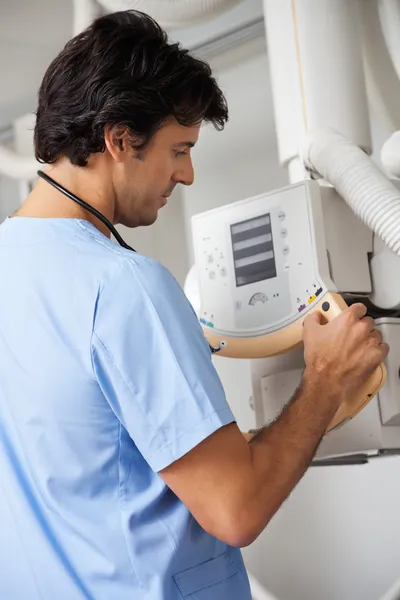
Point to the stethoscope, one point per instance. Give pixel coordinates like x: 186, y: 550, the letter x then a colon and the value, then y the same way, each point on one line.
x: 101, y: 218
x: 86, y: 206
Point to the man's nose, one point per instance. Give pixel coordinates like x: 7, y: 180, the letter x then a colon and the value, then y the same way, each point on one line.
x: 185, y: 176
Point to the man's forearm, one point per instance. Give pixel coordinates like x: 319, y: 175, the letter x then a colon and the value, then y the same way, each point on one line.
x: 233, y: 488
x: 281, y: 452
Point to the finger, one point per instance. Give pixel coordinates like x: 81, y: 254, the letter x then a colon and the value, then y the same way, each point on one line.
x: 312, y: 320
x: 377, y: 336
x: 369, y: 323
x: 310, y: 323
x: 384, y: 348
x: 358, y: 310
x: 382, y: 351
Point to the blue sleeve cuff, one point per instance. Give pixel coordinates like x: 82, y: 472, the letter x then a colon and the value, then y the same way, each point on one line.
x: 171, y: 452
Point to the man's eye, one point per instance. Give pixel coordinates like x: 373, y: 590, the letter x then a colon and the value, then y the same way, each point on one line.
x: 180, y: 152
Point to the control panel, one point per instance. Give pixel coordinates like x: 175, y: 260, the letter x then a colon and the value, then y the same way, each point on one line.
x: 262, y: 262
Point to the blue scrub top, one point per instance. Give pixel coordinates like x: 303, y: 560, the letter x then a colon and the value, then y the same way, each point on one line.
x: 105, y: 379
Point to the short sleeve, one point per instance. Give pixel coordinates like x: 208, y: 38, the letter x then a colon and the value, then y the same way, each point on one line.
x: 153, y: 364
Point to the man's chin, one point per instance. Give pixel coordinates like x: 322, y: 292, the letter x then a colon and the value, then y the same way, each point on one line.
x: 140, y: 221
x: 149, y: 220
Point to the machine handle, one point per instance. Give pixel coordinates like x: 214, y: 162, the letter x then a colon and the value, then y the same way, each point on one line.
x: 332, y: 307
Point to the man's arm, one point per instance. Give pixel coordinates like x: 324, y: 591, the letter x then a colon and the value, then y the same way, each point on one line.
x: 233, y: 488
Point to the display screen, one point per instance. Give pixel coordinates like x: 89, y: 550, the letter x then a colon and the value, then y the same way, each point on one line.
x: 253, y: 250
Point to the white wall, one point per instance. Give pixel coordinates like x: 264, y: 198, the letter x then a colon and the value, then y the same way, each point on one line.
x: 338, y: 536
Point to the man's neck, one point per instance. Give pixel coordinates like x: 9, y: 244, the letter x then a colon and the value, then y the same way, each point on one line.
x: 45, y: 201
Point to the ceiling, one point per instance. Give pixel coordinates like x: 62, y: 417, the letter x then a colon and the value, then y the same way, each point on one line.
x: 32, y: 32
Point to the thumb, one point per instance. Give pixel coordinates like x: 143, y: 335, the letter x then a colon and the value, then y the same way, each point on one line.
x: 313, y: 320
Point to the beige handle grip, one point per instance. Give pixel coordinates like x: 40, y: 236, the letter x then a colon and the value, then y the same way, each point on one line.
x: 332, y: 306
x: 272, y: 344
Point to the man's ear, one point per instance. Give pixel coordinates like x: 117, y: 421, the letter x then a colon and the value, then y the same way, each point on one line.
x: 117, y: 139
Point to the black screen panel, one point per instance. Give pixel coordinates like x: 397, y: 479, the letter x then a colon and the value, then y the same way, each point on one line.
x: 253, y: 250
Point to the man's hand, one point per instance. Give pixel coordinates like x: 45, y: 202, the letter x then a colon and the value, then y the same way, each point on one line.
x: 233, y: 488
x: 344, y: 352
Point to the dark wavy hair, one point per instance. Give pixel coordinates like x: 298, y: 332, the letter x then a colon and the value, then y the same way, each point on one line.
x: 122, y: 70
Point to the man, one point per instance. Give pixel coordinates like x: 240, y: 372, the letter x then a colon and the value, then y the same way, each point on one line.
x: 123, y: 472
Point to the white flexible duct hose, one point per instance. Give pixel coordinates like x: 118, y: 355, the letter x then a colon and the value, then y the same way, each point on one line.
x: 368, y: 192
x: 173, y: 13
x: 16, y: 165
